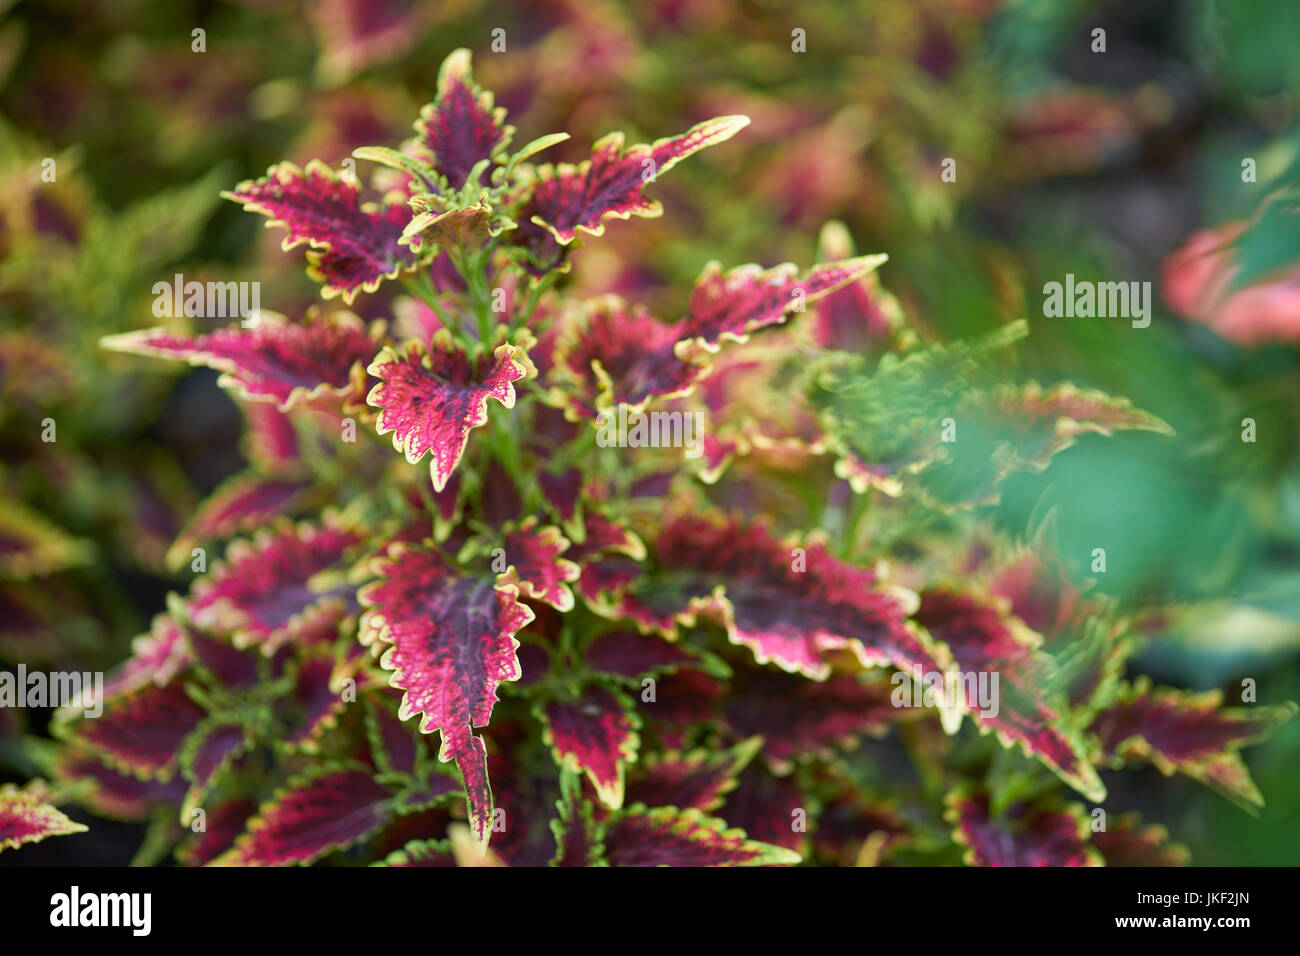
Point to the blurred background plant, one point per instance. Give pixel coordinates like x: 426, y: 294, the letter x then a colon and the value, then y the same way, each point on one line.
x: 1172, y: 156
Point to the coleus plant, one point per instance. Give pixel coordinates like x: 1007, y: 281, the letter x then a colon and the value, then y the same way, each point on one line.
x: 625, y: 655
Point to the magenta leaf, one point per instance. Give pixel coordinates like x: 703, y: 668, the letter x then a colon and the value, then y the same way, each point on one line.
x: 208, y: 752
x: 141, y: 733
x: 730, y: 305
x: 616, y: 354
x: 667, y: 836
x: 1126, y: 842
x: 274, y: 360
x: 579, y: 836
x: 595, y: 734
x: 120, y: 796
x: 354, y: 244
x: 242, y: 503
x: 224, y: 823
x: 798, y: 718
x: 430, y: 400
x: 789, y: 604
x: 327, y: 808
x: 1021, y: 836
x: 985, y: 643
x: 461, y: 127
x: 1191, y: 734
x: 698, y: 779
x: 631, y: 654
x: 265, y: 593
x: 452, y: 640
x: 769, y: 808
x: 26, y: 818
x: 568, y: 198
x: 536, y: 567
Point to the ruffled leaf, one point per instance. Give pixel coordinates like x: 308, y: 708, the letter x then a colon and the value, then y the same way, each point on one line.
x: 597, y: 735
x: 243, y: 503
x: 1023, y: 709
x: 1021, y: 836
x: 430, y: 400
x: 263, y: 592
x: 461, y: 127
x: 798, y: 718
x: 325, y: 809
x: 566, y: 198
x: 698, y: 779
x: 453, y: 642
x: 727, y: 306
x: 25, y: 818
x: 354, y: 245
x: 667, y: 836
x: 274, y: 360
x: 141, y: 733
x: 1191, y: 734
x: 615, y: 354
x: 1126, y: 842
x: 536, y: 567
x: 789, y: 604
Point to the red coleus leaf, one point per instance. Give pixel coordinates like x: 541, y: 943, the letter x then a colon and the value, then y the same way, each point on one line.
x: 242, y: 503
x: 141, y: 733
x: 667, y: 836
x: 536, y: 568
x: 566, y: 199
x: 1021, y: 836
x: 729, y: 305
x: 26, y: 818
x: 354, y: 244
x: 1022, y: 707
x: 453, y: 642
x: 312, y: 706
x: 679, y: 701
x: 327, y: 808
x: 860, y: 317
x: 579, y: 836
x: 271, y: 441
x: 274, y: 360
x: 800, y: 718
x: 461, y: 127
x: 1186, y: 733
x: 119, y: 796
x: 209, y: 752
x: 1044, y: 422
x: 392, y: 744
x: 263, y: 593
x: 430, y: 400
x: 595, y: 734
x: 1126, y: 842
x: 789, y: 604
x: 698, y: 779
x: 222, y: 826
x: 615, y: 354
x: 156, y: 657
